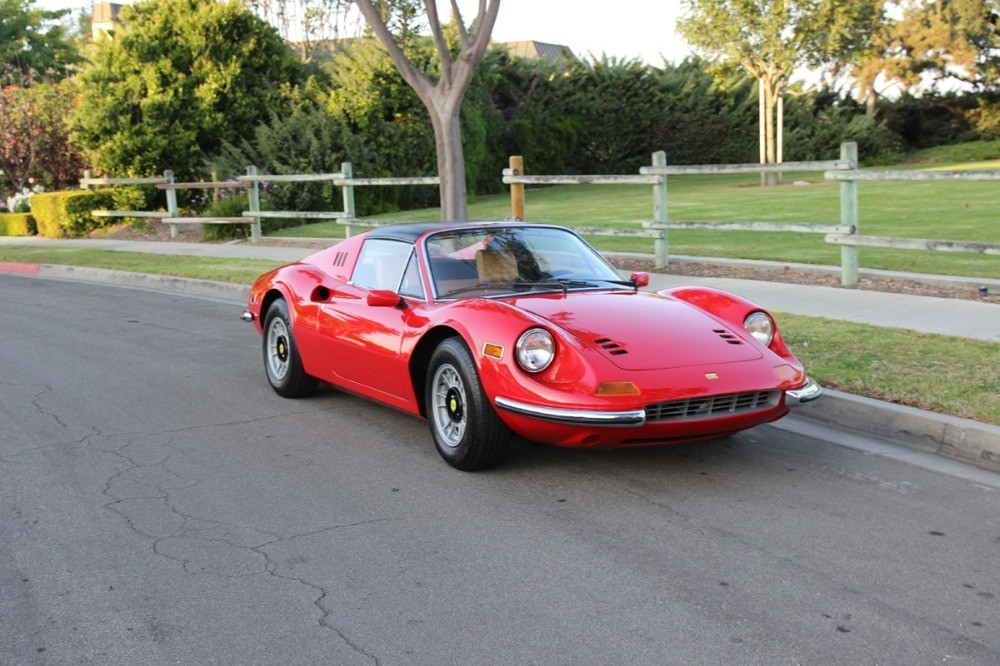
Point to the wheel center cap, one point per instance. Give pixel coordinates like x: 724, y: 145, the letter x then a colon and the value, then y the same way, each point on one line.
x: 282, y: 350
x: 454, y: 402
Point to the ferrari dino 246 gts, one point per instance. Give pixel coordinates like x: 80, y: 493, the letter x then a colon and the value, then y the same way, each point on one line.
x: 492, y: 329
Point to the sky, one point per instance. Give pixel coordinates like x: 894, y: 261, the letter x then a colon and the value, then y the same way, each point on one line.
x: 641, y: 29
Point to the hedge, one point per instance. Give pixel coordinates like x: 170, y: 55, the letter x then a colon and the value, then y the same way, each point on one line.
x: 16, y: 224
x: 68, y: 213
x: 49, y: 211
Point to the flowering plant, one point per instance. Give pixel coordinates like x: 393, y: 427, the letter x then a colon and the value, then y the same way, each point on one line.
x: 20, y: 202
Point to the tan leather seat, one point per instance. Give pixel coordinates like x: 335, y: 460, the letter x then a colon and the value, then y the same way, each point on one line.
x: 496, y: 266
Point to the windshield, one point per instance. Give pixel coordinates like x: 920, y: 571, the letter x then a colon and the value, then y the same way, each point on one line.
x: 498, y: 261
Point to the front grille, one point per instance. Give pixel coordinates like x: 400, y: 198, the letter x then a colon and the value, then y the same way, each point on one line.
x: 713, y: 406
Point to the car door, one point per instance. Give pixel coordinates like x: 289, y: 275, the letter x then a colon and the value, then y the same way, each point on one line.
x: 364, y: 339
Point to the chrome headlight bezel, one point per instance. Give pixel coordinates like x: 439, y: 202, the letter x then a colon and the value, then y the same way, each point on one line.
x: 535, y: 350
x: 760, y: 326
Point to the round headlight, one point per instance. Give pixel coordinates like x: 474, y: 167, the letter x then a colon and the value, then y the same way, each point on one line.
x: 535, y: 349
x: 760, y: 326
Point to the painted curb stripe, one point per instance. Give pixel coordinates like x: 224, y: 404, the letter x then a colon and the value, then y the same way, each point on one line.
x: 19, y: 267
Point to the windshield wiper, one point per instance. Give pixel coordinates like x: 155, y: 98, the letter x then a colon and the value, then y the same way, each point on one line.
x: 504, y: 286
x: 589, y: 282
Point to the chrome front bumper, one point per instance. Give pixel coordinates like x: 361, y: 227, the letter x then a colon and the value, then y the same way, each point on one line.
x: 807, y: 393
x: 247, y: 316
x: 633, y: 417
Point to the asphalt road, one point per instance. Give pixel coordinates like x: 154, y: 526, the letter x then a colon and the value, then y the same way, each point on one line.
x: 160, y: 504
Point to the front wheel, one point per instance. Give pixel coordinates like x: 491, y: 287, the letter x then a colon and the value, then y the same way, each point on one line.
x: 466, y: 430
x: 282, y: 362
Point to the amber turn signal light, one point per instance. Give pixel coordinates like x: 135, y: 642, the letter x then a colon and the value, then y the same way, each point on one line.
x: 617, y: 388
x: 787, y: 373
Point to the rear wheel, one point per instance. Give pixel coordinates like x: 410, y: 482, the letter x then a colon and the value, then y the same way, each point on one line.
x: 282, y: 362
x: 467, y: 431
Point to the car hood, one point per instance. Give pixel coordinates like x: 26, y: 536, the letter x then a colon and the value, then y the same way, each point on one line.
x: 642, y: 331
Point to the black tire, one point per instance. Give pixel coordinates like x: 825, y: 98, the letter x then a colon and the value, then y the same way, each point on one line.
x: 282, y: 363
x: 467, y: 431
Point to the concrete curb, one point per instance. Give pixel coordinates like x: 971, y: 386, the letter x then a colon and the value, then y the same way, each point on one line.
x: 964, y: 440
x: 227, y: 291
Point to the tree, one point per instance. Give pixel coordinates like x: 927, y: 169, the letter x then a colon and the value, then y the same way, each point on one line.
x: 34, y: 139
x: 443, y: 99
x: 770, y: 39
x: 33, y: 39
x: 175, y: 80
x: 940, y: 39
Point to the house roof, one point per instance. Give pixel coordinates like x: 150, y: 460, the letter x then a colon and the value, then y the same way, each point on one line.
x: 531, y: 49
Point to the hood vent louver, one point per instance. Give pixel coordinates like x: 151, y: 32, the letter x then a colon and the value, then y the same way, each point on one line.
x: 610, y: 346
x: 727, y: 336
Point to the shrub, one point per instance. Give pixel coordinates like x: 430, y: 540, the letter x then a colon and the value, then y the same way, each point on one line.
x: 229, y: 207
x: 78, y: 220
x: 49, y: 211
x: 68, y: 213
x: 16, y: 224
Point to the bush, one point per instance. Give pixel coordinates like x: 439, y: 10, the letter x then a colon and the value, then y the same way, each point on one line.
x: 79, y: 221
x: 232, y: 206
x: 49, y: 211
x: 61, y: 214
x: 16, y: 224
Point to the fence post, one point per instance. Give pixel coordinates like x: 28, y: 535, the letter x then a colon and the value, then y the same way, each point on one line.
x: 348, y: 188
x: 253, y: 199
x: 661, y: 245
x: 87, y: 175
x: 168, y: 176
x: 849, y: 216
x: 517, y: 189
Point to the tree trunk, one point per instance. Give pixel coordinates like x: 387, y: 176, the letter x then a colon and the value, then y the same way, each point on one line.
x: 769, y: 129
x: 451, y: 164
x: 761, y: 124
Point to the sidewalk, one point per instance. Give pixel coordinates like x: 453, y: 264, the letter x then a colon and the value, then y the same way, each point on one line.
x: 925, y: 314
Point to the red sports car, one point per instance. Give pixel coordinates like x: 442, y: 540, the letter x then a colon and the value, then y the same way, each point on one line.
x: 491, y: 329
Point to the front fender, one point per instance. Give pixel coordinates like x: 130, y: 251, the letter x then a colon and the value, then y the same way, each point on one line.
x: 734, y: 310
x: 496, y: 324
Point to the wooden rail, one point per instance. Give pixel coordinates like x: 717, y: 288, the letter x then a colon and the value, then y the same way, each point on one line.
x: 915, y: 244
x: 714, y: 169
x: 914, y: 175
x: 205, y: 185
x: 797, y: 227
x: 129, y: 213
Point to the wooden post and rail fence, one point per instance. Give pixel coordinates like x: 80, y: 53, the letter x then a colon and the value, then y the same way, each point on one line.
x: 252, y: 183
x: 845, y: 233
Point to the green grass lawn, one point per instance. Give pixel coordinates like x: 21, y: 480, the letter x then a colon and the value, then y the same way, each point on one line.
x: 204, y: 268
x: 936, y: 372
x: 935, y: 210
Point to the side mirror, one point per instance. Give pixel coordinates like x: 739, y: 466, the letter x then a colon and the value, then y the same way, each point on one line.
x: 383, y: 298
x: 640, y: 279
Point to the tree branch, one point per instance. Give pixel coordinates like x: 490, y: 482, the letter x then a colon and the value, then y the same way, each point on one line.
x: 456, y: 15
x: 439, y: 41
x: 414, y: 77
